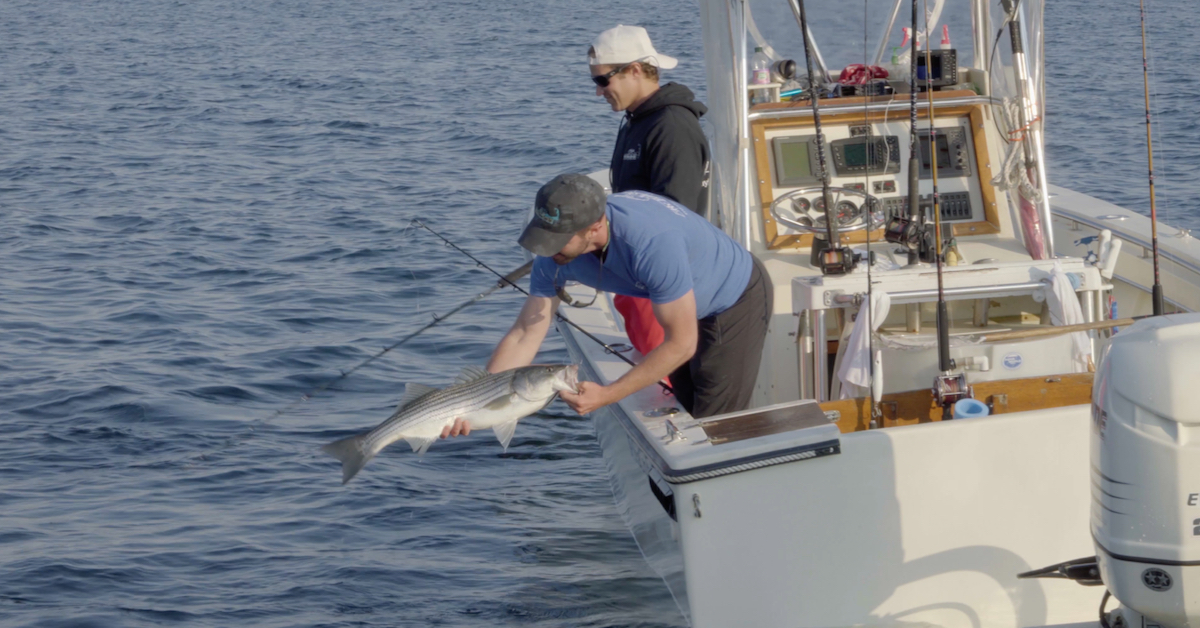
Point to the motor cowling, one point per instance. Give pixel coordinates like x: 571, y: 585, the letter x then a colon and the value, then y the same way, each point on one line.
x: 1146, y: 470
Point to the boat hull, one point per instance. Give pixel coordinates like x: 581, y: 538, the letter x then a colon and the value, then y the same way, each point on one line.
x: 926, y: 524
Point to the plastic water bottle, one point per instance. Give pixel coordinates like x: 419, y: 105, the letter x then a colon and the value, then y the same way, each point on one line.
x: 760, y: 66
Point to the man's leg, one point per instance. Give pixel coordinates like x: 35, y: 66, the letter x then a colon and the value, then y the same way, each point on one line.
x: 681, y: 383
x: 729, y: 350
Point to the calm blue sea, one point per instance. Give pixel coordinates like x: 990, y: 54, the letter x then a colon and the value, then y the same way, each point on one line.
x: 204, y: 214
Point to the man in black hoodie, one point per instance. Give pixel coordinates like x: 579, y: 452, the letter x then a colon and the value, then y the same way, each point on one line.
x: 660, y: 147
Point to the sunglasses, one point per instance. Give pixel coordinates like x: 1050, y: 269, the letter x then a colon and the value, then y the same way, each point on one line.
x: 601, y: 80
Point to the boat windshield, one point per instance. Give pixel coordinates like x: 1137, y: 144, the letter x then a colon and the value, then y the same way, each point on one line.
x: 848, y: 33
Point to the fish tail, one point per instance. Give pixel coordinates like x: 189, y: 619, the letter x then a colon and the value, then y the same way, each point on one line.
x: 353, y: 454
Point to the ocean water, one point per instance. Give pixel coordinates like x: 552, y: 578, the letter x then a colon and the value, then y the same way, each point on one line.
x: 205, y: 213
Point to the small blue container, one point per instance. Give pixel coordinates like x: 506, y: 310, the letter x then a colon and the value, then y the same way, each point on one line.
x: 970, y: 409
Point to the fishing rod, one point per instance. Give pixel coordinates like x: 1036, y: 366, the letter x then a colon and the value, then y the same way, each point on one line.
x: 943, y: 318
x: 505, y: 280
x: 831, y: 258
x: 909, y: 231
x: 874, y: 371
x: 607, y: 347
x: 947, y: 388
x: 914, y: 167
x: 1156, y: 290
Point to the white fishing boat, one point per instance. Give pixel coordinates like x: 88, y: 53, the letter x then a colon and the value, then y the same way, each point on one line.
x: 839, y: 501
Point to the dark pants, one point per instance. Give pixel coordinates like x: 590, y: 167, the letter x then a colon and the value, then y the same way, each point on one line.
x: 720, y: 377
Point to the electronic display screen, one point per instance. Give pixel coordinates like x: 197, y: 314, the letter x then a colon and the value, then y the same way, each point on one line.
x: 944, y: 160
x: 856, y: 155
x: 953, y: 154
x: 934, y: 70
x: 795, y: 161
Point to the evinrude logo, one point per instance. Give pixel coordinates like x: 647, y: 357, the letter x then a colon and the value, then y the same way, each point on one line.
x: 634, y: 153
x: 547, y: 215
x: 1156, y: 579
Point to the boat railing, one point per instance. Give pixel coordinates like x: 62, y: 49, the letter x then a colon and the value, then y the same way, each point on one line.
x: 766, y: 112
x: 1100, y: 223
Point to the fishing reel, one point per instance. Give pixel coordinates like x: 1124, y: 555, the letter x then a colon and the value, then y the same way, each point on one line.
x: 916, y: 235
x: 903, y: 230
x: 833, y: 260
x: 948, y: 389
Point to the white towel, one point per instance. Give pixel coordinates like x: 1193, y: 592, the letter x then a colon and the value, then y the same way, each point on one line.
x: 856, y: 361
x: 1065, y: 310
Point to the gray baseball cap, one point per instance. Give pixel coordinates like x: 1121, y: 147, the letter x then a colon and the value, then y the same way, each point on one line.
x: 565, y: 206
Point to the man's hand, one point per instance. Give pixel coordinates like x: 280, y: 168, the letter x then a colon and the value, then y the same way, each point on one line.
x: 460, y: 427
x: 591, y: 396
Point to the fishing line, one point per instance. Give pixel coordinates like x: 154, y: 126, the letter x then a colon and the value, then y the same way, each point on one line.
x: 607, y: 347
x: 508, y: 280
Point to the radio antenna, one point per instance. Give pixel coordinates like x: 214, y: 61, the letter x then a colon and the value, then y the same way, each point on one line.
x: 1156, y: 291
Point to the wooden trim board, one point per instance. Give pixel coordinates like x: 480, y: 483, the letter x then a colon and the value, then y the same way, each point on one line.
x: 1006, y: 395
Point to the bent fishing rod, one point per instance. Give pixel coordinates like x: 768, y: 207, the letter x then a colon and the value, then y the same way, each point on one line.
x: 507, y: 280
x: 503, y: 279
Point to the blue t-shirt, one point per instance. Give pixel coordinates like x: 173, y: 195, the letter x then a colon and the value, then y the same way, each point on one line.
x: 657, y: 249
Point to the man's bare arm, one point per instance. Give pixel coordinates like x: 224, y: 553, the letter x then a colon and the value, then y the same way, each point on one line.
x: 518, y: 347
x: 521, y: 343
x: 678, y: 319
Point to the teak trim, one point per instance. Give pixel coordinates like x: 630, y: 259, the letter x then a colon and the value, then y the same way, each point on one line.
x: 1006, y: 395
x: 759, y: 128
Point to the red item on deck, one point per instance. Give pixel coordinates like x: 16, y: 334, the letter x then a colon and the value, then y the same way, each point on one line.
x: 859, y: 74
x: 640, y: 324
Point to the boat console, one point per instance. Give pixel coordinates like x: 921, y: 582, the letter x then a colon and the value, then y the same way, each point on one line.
x: 867, y: 144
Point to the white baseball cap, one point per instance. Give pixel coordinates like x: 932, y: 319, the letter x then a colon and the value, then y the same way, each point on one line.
x: 626, y: 44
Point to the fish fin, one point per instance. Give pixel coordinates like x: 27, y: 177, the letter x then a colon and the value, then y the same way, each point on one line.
x: 413, y: 392
x: 503, y: 401
x: 352, y: 454
x: 471, y: 373
x: 420, y: 443
x: 504, y: 433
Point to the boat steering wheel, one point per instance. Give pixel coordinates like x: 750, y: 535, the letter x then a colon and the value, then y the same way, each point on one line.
x: 807, y: 209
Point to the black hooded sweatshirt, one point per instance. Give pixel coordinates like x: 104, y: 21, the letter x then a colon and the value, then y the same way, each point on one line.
x: 661, y: 149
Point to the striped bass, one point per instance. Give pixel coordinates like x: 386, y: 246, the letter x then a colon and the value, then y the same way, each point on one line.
x: 495, y: 400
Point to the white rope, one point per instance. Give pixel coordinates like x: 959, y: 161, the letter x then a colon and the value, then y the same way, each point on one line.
x: 1013, y: 172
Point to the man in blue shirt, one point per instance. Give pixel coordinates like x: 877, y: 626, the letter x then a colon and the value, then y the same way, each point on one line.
x: 712, y: 297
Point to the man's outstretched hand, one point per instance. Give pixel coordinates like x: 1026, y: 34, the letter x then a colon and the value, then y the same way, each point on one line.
x: 591, y: 396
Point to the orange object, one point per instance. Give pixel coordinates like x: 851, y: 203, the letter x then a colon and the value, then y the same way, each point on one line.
x: 640, y: 324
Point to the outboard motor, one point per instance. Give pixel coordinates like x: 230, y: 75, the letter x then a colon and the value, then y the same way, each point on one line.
x: 1146, y: 472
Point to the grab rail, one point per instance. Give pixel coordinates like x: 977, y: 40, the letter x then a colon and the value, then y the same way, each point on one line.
x: 1084, y: 219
